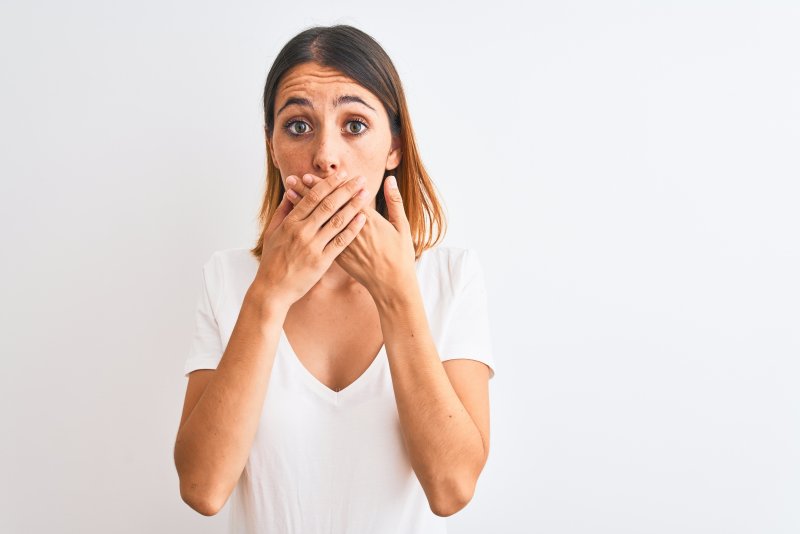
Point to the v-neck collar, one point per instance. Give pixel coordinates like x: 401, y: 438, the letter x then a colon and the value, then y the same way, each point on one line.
x: 324, y: 391
x: 360, y: 383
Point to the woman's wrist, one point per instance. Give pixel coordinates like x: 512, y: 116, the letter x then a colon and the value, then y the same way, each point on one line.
x: 266, y: 303
x: 402, y: 294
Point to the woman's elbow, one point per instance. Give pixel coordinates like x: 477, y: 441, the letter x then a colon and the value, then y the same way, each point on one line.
x: 446, y: 509
x: 452, y: 499
x: 201, y: 503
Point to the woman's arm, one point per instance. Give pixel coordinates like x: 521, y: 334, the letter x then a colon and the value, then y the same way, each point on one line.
x: 213, y: 443
x: 446, y: 447
x: 447, y: 439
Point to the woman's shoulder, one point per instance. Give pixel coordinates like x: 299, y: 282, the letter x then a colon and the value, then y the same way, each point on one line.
x: 230, y: 265
x: 448, y: 256
x: 440, y: 253
x: 445, y: 264
x: 236, y: 256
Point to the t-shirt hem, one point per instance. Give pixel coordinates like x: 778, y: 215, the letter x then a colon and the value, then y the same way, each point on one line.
x: 201, y: 362
x: 489, y: 363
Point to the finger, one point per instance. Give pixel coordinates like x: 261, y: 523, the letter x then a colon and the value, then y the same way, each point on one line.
x: 341, y: 240
x: 394, y: 203
x: 300, y: 188
x: 310, y: 179
x: 356, y: 207
x: 312, y: 197
x: 330, y: 205
x: 293, y: 189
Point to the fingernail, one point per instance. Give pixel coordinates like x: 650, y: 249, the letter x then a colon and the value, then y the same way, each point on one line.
x: 307, y: 179
x: 392, y: 182
x: 291, y: 180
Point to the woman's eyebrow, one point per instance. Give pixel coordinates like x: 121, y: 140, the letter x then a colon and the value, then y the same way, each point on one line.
x: 344, y: 99
x: 297, y: 101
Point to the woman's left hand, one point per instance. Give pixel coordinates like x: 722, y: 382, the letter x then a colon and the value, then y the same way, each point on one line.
x: 382, y: 256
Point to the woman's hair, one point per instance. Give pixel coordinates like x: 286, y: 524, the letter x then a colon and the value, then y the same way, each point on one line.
x: 358, y: 56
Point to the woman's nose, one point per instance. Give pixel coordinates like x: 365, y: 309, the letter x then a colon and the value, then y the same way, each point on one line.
x: 327, y: 152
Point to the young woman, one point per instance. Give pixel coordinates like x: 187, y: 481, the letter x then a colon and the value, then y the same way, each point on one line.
x: 338, y: 376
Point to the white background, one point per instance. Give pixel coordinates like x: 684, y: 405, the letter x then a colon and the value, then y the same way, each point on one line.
x: 627, y: 171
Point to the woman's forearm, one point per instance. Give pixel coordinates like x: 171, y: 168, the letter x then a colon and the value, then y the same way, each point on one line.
x: 444, y: 444
x: 212, y: 446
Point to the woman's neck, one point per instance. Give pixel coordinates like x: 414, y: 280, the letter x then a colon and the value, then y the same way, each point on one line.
x: 335, y: 279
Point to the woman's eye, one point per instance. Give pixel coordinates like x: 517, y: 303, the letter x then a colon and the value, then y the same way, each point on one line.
x: 356, y: 127
x: 303, y: 127
x: 298, y: 127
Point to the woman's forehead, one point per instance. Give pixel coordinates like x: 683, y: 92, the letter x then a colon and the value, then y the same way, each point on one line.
x: 310, y: 78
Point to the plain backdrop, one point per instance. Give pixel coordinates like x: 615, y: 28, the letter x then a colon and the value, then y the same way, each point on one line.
x: 628, y: 172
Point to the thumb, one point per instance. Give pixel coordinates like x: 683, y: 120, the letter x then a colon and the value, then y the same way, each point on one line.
x: 394, y: 202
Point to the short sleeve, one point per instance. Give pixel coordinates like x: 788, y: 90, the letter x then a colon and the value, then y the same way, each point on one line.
x: 206, y: 345
x: 467, y: 332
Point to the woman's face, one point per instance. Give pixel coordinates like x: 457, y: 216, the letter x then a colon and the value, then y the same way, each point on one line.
x: 326, y: 123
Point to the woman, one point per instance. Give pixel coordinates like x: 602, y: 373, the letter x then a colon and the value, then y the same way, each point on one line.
x: 338, y: 377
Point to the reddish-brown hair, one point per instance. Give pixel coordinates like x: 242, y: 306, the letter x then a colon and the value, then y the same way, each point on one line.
x: 359, y: 57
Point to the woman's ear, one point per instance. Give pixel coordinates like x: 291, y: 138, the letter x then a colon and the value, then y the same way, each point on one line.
x: 395, y: 154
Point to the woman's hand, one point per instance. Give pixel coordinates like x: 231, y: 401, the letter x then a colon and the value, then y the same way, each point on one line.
x: 306, y: 235
x: 381, y: 257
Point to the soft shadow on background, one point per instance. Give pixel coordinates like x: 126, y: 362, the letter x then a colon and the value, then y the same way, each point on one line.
x: 627, y: 171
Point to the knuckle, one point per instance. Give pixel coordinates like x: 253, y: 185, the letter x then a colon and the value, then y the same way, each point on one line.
x: 309, y: 232
x: 340, y: 240
x: 298, y: 233
x: 327, y: 205
x: 313, y: 196
x: 337, y: 221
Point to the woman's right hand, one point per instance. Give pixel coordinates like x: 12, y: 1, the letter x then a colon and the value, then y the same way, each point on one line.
x: 303, y: 240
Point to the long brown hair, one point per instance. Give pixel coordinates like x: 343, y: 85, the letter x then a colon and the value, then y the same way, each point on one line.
x: 359, y: 57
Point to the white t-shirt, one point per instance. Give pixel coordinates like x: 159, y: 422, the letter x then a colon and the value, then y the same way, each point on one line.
x: 324, y: 461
